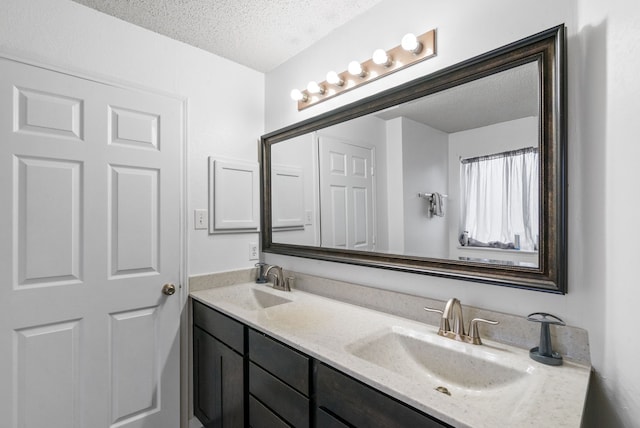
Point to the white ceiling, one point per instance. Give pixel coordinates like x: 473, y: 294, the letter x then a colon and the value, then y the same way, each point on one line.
x: 509, y: 95
x: 260, y: 34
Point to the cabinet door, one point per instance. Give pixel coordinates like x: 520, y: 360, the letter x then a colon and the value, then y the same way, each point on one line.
x: 218, y: 379
x: 363, y: 406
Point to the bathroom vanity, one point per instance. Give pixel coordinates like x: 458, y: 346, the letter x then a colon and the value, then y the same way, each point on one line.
x: 281, y: 381
x: 269, y: 358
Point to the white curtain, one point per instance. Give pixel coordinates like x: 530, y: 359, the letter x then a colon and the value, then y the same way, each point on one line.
x: 500, y: 197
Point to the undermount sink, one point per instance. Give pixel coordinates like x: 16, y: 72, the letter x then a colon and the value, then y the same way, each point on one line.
x: 443, y: 362
x: 255, y: 299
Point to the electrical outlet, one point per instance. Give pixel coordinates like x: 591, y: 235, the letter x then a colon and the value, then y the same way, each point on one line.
x: 308, y: 218
x: 253, y: 251
x: 201, y: 219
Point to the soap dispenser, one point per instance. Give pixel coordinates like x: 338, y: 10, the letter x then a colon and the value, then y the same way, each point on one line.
x: 543, y: 353
x: 262, y: 270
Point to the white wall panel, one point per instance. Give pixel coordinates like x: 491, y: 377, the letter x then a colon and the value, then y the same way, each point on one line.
x: 134, y: 128
x: 338, y: 200
x: 47, y: 375
x: 360, y: 199
x: 358, y: 167
x: 47, y: 114
x: 48, y: 219
x: 134, y: 376
x: 134, y: 221
x: 338, y: 163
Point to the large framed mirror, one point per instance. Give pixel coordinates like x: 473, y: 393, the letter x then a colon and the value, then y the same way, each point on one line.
x: 459, y: 174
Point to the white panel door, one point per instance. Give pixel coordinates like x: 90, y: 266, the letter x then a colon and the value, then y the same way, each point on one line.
x: 89, y: 234
x: 235, y: 201
x: 346, y: 195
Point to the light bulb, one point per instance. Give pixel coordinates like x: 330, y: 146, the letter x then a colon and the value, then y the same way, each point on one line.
x: 410, y: 43
x: 314, y: 88
x: 355, y: 68
x: 334, y: 79
x: 380, y: 57
x: 297, y: 95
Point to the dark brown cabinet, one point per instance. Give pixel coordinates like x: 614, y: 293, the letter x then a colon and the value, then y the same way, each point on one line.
x: 244, y: 378
x: 218, y: 372
x: 279, y: 380
x: 348, y: 402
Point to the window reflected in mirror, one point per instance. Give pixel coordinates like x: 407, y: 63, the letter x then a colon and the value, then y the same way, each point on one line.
x: 500, y: 201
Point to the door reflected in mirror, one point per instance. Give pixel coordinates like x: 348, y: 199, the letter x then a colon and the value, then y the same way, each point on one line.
x: 453, y: 175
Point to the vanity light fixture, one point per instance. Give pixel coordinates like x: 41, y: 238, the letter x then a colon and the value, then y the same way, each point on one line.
x: 314, y: 88
x: 356, y: 69
x: 380, y: 57
x: 334, y: 78
x: 299, y: 96
x: 411, y: 44
x: 413, y: 49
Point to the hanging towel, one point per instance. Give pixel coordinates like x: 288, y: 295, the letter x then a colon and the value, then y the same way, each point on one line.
x: 437, y: 206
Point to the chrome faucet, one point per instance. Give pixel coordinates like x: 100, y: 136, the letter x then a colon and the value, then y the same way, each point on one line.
x: 452, y: 315
x: 279, y: 282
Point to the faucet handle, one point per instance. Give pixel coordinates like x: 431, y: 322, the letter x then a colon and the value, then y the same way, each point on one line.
x: 289, y: 283
x: 474, y: 334
x: 440, y: 311
x: 444, y: 322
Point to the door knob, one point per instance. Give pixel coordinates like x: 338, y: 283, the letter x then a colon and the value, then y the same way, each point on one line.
x: 168, y: 289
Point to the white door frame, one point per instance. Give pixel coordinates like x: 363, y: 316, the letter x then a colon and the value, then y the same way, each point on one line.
x: 183, y: 289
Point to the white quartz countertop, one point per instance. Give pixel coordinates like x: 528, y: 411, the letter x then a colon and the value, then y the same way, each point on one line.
x: 336, y: 333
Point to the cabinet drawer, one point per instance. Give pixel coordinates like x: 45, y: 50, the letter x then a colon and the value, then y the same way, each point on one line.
x: 286, y: 364
x: 223, y: 328
x: 325, y: 420
x: 285, y: 401
x: 362, y: 406
x: 261, y: 417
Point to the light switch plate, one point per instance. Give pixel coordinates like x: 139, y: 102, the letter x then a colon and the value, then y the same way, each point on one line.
x: 308, y: 218
x: 201, y: 219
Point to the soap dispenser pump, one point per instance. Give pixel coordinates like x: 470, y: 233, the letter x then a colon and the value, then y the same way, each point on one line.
x: 543, y: 353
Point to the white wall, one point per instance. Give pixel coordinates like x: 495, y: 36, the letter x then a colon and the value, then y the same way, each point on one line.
x: 395, y: 186
x: 424, y: 166
x: 604, y: 64
x: 225, y: 100
x: 603, y: 199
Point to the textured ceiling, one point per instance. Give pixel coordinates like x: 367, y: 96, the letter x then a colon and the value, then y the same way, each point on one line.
x: 509, y: 95
x: 260, y: 34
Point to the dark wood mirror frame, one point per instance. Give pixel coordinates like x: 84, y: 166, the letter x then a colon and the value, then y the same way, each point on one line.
x: 548, y: 49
